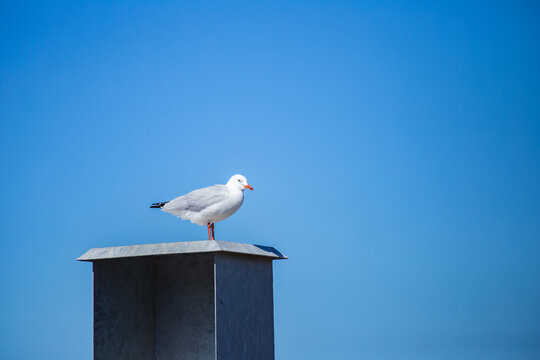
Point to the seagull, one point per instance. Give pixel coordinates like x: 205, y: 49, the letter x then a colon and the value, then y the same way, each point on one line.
x: 208, y: 205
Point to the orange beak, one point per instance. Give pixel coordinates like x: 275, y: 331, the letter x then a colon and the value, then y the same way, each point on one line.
x: 248, y: 187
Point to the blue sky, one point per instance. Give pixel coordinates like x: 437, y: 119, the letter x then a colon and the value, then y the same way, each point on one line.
x: 394, y: 150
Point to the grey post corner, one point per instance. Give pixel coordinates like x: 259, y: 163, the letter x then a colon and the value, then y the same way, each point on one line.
x: 184, y: 300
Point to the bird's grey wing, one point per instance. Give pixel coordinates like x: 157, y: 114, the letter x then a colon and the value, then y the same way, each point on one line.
x: 198, y: 200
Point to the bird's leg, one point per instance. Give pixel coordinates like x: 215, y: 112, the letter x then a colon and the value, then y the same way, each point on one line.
x: 209, y: 234
x: 212, y: 227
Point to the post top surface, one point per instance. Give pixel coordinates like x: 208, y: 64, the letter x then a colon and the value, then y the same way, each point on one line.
x: 185, y: 247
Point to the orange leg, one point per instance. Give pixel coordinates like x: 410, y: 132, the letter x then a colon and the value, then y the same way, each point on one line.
x: 209, y: 234
x: 212, y: 227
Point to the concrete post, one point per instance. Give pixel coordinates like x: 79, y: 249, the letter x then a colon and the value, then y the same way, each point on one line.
x: 186, y: 300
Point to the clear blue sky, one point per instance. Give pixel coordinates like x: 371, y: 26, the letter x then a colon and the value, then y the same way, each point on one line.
x: 394, y: 150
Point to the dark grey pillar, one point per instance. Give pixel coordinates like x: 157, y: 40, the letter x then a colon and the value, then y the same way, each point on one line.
x: 188, y: 300
x: 244, y: 307
x: 117, y: 317
x: 185, y: 311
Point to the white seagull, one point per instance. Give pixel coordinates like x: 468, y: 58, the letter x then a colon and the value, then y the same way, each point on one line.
x: 208, y: 205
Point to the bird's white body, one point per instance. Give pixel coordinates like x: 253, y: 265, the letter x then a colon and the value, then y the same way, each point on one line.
x: 211, y: 204
x: 208, y: 205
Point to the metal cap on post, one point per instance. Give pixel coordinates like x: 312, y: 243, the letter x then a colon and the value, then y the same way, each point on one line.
x: 184, y: 300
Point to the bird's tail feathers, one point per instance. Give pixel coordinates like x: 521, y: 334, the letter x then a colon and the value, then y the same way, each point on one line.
x: 158, y: 205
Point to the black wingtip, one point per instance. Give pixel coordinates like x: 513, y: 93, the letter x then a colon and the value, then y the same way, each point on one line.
x: 158, y: 205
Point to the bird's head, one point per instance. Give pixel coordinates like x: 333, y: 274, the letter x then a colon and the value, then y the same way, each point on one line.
x: 239, y: 182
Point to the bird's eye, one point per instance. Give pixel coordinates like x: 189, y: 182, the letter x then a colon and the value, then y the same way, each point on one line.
x: 239, y: 180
